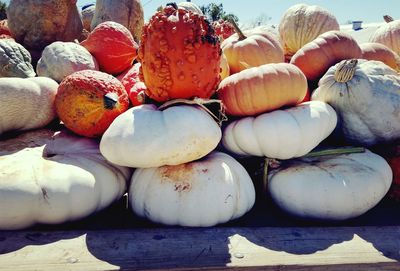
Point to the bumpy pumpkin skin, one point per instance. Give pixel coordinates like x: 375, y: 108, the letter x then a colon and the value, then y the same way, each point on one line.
x: 180, y: 56
x: 61, y: 59
x: 223, y: 29
x: 378, y: 51
x: 15, y: 60
x: 301, y: 24
x: 37, y: 23
x: 389, y: 35
x: 67, y: 179
x: 26, y: 103
x: 134, y: 87
x: 88, y: 101
x: 129, y: 13
x: 329, y: 48
x: 113, y: 47
x: 262, y: 89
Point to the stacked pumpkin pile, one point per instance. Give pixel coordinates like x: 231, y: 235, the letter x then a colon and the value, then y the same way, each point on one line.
x: 125, y: 106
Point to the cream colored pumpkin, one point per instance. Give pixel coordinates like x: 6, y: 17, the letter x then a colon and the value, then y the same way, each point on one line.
x: 331, y: 187
x: 129, y: 13
x: 15, y: 60
x: 61, y: 59
x: 281, y: 134
x: 388, y: 34
x: 26, y: 103
x: 203, y: 193
x: 301, y: 24
x: 144, y: 136
x: 51, y: 177
x: 366, y: 97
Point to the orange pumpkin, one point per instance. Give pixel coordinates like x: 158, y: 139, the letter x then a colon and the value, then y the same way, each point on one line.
x: 180, y: 55
x: 134, y: 87
x: 251, y: 48
x: 223, y: 29
x: 88, y: 101
x: 317, y: 56
x: 261, y: 89
x: 378, y: 51
x: 113, y: 47
x: 388, y: 34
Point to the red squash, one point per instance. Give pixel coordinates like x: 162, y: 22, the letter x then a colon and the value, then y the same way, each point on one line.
x: 134, y: 87
x: 180, y: 55
x: 223, y: 29
x: 113, y: 47
x: 88, y: 101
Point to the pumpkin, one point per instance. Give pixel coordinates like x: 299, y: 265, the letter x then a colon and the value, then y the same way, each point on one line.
x: 35, y: 24
x: 26, y: 103
x: 389, y: 35
x: 329, y: 48
x: 129, y: 13
x: 261, y: 89
x: 251, y: 48
x: 88, y: 101
x: 5, y: 30
x: 224, y: 67
x: 61, y: 59
x: 190, y: 6
x: 133, y: 86
x: 203, y: 193
x: 335, y: 187
x: 145, y: 137
x: 67, y: 179
x: 15, y: 60
x: 180, y: 55
x: 377, y: 51
x: 223, y: 29
x: 301, y: 24
x: 87, y: 16
x: 281, y: 134
x: 113, y: 47
x: 365, y: 94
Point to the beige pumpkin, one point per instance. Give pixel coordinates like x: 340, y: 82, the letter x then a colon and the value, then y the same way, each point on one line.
x: 380, y: 52
x: 129, y: 13
x: 15, y: 60
x: 301, y: 24
x: 389, y: 35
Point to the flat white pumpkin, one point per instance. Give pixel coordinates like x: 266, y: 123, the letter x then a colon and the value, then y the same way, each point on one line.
x: 281, y: 134
x: 332, y: 187
x: 366, y: 96
x: 51, y: 178
x: 144, y: 136
x: 61, y: 59
x: 26, y: 103
x: 203, y: 193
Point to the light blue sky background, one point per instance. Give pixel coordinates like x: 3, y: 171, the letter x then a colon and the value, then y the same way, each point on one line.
x: 248, y: 11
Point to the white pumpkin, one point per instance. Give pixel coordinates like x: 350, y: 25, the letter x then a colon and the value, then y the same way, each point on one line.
x: 144, y: 136
x: 332, y: 187
x: 190, y: 7
x: 61, y: 59
x: 26, y: 103
x: 366, y: 97
x: 51, y: 178
x: 203, y: 193
x: 281, y: 134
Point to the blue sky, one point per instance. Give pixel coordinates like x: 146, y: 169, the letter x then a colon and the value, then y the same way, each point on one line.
x: 247, y: 11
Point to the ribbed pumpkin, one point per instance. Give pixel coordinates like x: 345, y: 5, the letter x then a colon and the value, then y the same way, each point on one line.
x: 88, y: 101
x: 189, y: 6
x: 113, y: 47
x: 180, y: 55
x: 261, y: 89
x: 317, y: 56
x: 224, y: 67
x: 301, y: 24
x: 380, y: 52
x: 15, y: 60
x: 37, y: 23
x: 129, y: 13
x: 388, y: 34
x: 251, y: 48
x: 133, y: 86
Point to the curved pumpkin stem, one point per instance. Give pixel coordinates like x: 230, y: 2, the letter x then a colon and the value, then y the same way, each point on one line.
x: 237, y: 29
x: 201, y: 102
x: 345, y: 70
x: 388, y: 18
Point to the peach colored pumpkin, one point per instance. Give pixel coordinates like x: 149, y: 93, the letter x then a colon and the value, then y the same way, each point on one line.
x: 389, y: 35
x: 378, y: 51
x: 261, y: 89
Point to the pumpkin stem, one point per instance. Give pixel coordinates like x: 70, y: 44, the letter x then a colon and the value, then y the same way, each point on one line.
x: 110, y: 100
x: 237, y: 29
x: 345, y: 70
x: 141, y: 97
x: 201, y: 102
x: 337, y: 151
x: 388, y: 18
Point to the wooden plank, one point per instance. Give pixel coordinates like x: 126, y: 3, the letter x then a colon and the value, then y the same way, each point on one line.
x: 273, y: 248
